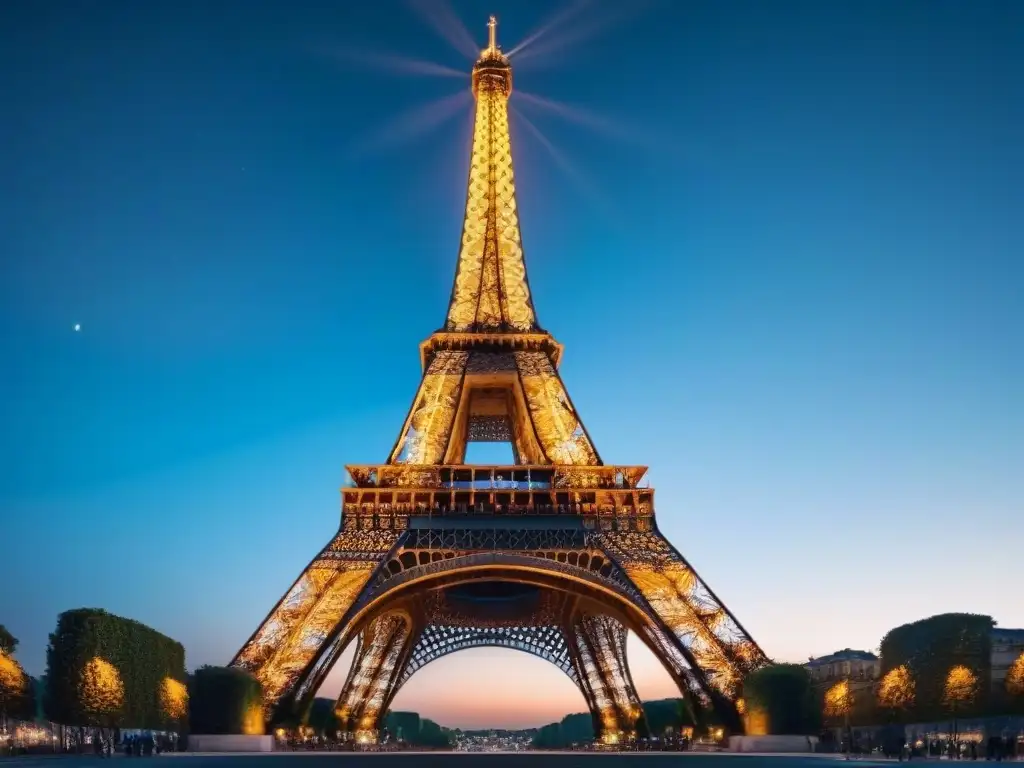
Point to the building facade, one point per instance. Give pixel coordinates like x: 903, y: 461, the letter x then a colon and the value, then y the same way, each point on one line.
x: 847, y: 664
x: 1007, y: 647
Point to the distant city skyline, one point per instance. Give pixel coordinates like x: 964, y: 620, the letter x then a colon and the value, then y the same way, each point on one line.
x: 780, y: 245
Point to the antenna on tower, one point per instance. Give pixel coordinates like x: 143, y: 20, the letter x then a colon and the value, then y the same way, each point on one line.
x: 492, y: 34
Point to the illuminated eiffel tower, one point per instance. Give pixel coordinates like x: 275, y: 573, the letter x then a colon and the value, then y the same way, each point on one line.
x: 557, y: 555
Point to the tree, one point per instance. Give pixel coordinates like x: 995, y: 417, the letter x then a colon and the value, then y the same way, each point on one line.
x: 225, y: 700
x: 323, y: 719
x: 896, y: 691
x: 404, y: 725
x: 174, y: 699
x: 838, y: 701
x: 432, y: 735
x: 665, y: 714
x: 779, y: 699
x: 577, y: 728
x: 549, y: 737
x: 961, y: 687
x: 8, y: 642
x: 959, y: 692
x: 101, y: 694
x: 1015, y: 678
x: 15, y: 690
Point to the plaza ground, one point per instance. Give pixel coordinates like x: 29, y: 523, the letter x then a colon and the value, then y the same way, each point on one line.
x: 456, y: 760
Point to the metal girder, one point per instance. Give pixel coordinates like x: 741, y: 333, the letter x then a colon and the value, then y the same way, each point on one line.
x: 437, y: 641
x: 680, y: 599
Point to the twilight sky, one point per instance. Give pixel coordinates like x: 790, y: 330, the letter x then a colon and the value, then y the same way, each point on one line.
x: 782, y: 243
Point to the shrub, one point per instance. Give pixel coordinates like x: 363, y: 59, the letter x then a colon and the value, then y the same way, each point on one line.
x: 108, y: 671
x: 224, y: 700
x: 779, y: 699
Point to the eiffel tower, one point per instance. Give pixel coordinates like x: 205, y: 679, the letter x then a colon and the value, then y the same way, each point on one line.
x: 557, y: 555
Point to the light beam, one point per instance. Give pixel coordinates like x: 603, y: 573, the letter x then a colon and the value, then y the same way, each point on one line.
x: 592, y: 26
x: 570, y: 170
x: 575, y: 114
x: 412, y: 124
x: 562, y: 16
x: 439, y: 15
x: 392, y: 63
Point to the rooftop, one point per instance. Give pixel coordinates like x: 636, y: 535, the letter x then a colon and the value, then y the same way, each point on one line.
x: 847, y: 654
x: 1008, y: 634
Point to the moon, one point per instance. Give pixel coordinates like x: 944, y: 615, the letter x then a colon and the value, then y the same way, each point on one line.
x: 78, y: 327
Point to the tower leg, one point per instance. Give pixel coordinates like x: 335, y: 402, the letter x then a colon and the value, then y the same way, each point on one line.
x: 296, y: 631
x: 686, y: 612
x: 599, y: 650
x: 383, y: 648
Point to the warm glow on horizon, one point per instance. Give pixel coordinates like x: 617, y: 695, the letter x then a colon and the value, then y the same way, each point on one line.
x: 503, y: 688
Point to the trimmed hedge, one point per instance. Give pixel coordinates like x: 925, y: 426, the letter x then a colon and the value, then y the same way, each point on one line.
x: 225, y: 700
x: 930, y: 648
x: 108, y: 671
x: 780, y: 700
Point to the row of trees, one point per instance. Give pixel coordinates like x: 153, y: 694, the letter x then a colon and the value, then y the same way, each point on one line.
x: 105, y: 671
x: 659, y: 717
x: 101, y: 671
x: 419, y: 731
x: 321, y: 719
x: 938, y: 668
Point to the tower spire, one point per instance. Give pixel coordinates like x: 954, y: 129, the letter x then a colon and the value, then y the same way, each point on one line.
x: 491, y: 293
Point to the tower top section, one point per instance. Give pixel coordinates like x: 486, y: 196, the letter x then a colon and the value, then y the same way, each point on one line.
x: 491, y: 294
x: 492, y: 71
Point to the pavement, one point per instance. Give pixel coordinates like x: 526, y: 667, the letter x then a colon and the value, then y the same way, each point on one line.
x: 462, y: 760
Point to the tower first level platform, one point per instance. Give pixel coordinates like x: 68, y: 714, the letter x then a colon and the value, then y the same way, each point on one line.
x: 396, y: 497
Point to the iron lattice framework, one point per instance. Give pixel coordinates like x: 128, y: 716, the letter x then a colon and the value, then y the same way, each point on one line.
x: 557, y: 555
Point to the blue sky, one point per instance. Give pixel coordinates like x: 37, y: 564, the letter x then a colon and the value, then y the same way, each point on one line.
x: 784, y: 258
